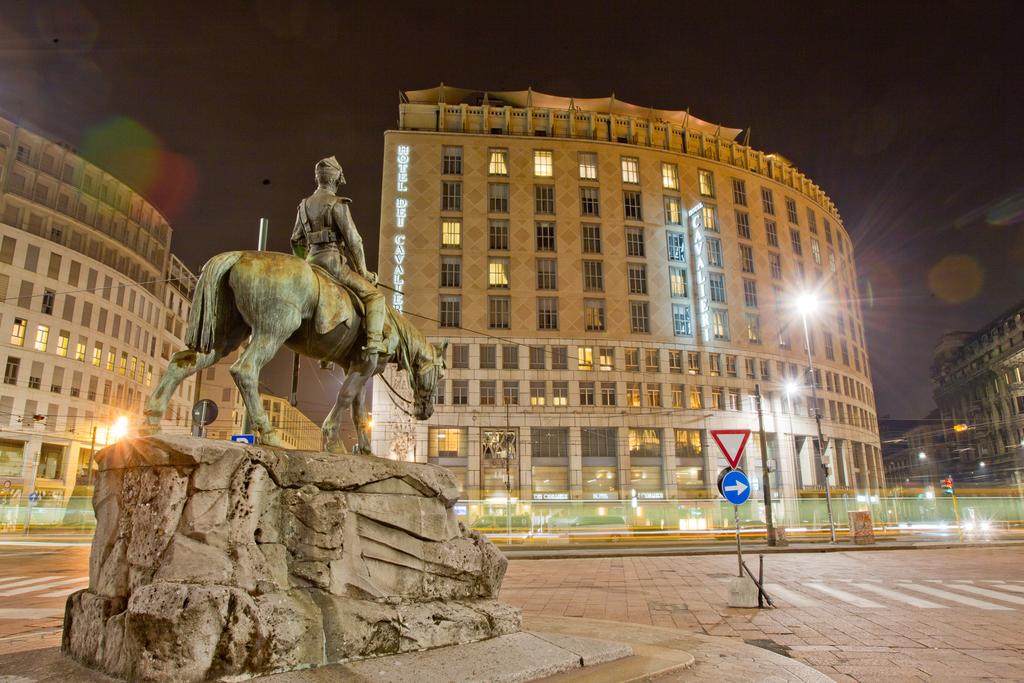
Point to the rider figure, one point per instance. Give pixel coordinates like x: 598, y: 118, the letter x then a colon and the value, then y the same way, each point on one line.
x: 323, y: 228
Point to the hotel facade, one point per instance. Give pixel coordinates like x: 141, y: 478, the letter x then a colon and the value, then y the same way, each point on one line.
x: 614, y: 282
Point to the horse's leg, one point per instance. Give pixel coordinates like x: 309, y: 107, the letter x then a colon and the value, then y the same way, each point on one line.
x: 183, y: 365
x: 361, y: 422
x: 246, y: 370
x: 356, y: 377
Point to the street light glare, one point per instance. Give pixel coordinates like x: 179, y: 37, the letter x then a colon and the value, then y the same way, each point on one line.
x: 792, y: 387
x: 807, y: 303
x: 118, y: 429
x: 922, y: 455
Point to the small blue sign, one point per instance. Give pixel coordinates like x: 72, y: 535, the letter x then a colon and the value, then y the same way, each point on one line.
x: 33, y: 497
x: 244, y: 438
x: 736, y: 487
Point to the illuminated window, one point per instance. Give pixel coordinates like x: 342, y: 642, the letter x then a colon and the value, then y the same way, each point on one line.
x: 739, y: 192
x: 696, y: 398
x: 633, y: 394
x: 645, y: 443
x: 632, y: 360
x: 677, y: 281
x: 97, y: 354
x: 669, y: 176
x: 593, y: 315
x: 607, y: 360
x: 753, y: 328
x: 111, y: 354
x: 80, y: 352
x: 122, y: 366
x: 675, y: 361
x: 653, y: 395
x: 673, y: 212
x: 585, y: 358
x: 42, y: 337
x: 559, y: 395
x: 747, y: 258
x: 497, y: 273
x: 816, y: 251
x: 677, y: 396
x: 714, y: 364
x: 63, y: 341
x: 630, y: 170
x: 447, y: 443
x: 709, y: 216
x: 588, y: 165
x: 498, y: 162
x: 149, y: 375
x: 451, y: 233
x: 538, y: 393
x: 720, y: 323
x: 706, y: 180
x: 676, y: 246
x: 543, y: 166
x: 18, y: 331
x: 693, y: 362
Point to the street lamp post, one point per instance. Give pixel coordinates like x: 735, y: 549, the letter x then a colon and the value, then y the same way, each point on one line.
x: 807, y: 304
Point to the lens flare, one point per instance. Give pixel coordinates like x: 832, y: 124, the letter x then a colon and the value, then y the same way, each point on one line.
x: 956, y: 279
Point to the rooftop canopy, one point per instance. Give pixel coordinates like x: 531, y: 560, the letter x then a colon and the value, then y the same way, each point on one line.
x: 531, y: 98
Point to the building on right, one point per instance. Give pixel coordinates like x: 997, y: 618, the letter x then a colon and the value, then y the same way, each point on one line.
x: 979, y: 389
x: 615, y: 282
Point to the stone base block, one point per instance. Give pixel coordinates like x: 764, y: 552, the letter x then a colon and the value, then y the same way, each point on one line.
x: 215, y: 560
x: 742, y: 592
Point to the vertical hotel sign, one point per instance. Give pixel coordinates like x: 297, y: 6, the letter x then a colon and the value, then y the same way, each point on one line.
x: 700, y: 267
x: 401, y: 214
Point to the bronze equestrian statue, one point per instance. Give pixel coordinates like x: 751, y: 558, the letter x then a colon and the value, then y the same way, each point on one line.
x: 274, y: 300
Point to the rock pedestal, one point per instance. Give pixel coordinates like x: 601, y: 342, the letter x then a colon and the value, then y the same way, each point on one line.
x: 215, y: 560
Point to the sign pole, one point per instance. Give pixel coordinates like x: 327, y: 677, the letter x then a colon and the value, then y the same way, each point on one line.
x: 739, y: 546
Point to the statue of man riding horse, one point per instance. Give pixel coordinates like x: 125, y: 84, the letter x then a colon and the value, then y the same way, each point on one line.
x: 326, y: 307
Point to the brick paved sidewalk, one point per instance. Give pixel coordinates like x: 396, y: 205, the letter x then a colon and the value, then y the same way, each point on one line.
x: 895, y: 615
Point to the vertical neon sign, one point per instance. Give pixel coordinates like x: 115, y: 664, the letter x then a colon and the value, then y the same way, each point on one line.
x: 696, y: 216
x: 401, y: 213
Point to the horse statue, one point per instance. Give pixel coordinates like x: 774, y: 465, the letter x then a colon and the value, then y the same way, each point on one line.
x: 276, y: 300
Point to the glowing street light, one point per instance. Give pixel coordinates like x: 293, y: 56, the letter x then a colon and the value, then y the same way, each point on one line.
x: 118, y: 430
x: 922, y: 456
x: 792, y: 387
x: 807, y: 303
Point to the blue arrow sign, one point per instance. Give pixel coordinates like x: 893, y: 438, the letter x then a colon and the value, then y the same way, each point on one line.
x: 244, y: 438
x: 736, y: 487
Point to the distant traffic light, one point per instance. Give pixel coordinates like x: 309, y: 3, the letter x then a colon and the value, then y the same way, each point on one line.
x: 947, y: 485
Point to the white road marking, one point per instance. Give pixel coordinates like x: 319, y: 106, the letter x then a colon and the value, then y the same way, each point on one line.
x: 1016, y: 600
x: 26, y: 582
x: 1010, y: 587
x: 40, y: 587
x: 855, y: 600
x: 31, y: 613
x: 909, y: 599
x: 792, y: 597
x: 64, y: 592
x: 953, y: 597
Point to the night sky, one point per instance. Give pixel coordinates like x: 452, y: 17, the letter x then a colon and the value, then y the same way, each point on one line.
x: 908, y: 114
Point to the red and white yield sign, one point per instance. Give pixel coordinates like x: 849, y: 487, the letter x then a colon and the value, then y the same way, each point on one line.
x: 732, y: 442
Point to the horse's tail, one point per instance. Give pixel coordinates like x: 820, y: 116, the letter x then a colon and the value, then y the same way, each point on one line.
x: 210, y: 303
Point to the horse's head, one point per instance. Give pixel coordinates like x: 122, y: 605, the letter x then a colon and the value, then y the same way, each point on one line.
x: 427, y: 372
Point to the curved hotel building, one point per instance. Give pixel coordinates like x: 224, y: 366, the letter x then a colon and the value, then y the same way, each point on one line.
x: 92, y: 304
x: 614, y: 282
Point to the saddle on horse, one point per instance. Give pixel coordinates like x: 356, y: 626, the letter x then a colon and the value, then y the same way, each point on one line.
x: 336, y: 304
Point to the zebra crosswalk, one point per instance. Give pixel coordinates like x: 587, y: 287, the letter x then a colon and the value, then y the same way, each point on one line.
x: 50, y: 586
x: 877, y: 594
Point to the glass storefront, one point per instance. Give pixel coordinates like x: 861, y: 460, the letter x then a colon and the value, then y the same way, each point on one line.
x: 600, y: 482
x: 12, y: 454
